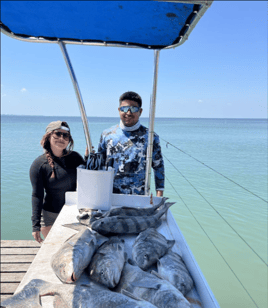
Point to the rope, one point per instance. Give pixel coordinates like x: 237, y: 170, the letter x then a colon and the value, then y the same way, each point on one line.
x: 217, y: 212
x: 215, y: 171
x: 214, y: 245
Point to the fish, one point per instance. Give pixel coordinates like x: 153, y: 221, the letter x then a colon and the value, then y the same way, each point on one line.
x: 149, y: 246
x: 129, y: 224
x: 108, y: 262
x: 172, y: 268
x: 86, y: 217
x: 28, y: 297
x: 92, y: 295
x: 69, y: 262
x: 134, y: 211
x: 150, y: 287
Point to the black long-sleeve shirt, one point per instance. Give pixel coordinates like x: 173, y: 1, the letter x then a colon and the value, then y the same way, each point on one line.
x: 49, y: 193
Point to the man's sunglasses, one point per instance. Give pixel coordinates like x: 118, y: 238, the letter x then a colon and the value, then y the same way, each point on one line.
x: 59, y: 134
x: 132, y: 109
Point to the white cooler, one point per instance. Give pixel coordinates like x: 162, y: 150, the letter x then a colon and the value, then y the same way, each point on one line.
x: 94, y: 189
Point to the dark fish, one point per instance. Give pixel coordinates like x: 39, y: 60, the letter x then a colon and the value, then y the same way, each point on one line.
x: 172, y: 268
x: 128, y: 224
x: 151, y: 288
x: 108, y: 262
x: 88, y: 216
x: 91, y: 295
x: 74, y: 256
x: 134, y: 211
x: 148, y: 247
x: 28, y: 297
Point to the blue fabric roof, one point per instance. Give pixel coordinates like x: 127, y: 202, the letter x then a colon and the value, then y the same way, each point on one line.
x: 140, y: 23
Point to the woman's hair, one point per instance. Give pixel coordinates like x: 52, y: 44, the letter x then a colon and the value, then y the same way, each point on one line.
x: 45, y: 143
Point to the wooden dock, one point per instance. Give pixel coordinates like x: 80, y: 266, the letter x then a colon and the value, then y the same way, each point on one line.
x: 16, y: 257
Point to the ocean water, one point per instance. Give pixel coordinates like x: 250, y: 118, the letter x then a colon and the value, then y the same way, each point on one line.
x: 216, y: 172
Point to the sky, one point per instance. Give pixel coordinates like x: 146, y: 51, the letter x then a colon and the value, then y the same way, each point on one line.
x: 219, y: 72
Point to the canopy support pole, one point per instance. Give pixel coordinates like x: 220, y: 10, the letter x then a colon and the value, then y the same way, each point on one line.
x: 78, y: 94
x: 151, y: 125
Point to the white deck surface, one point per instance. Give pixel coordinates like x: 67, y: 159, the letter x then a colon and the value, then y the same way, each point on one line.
x: 41, y: 268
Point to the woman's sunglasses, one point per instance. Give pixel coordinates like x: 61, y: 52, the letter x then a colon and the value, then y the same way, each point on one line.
x: 132, y: 109
x: 65, y: 136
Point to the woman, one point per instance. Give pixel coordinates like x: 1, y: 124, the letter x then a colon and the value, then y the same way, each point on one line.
x: 54, y: 173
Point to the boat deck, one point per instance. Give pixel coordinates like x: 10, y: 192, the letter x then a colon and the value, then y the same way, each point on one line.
x: 40, y: 267
x: 16, y: 258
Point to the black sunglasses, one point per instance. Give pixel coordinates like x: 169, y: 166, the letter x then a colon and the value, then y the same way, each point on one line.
x: 132, y: 109
x: 59, y: 134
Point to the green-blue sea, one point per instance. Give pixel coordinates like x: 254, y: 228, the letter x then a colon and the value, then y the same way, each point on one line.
x: 216, y: 171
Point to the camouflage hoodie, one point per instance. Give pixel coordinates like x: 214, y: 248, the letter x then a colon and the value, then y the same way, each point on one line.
x: 128, y: 149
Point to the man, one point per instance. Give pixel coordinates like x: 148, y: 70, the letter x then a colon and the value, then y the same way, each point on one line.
x: 126, y: 145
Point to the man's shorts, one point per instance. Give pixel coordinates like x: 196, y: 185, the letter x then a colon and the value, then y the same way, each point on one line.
x: 48, y: 218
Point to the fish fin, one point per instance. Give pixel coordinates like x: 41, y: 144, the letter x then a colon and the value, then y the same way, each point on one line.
x: 194, y: 301
x: 157, y: 275
x: 132, y: 262
x: 163, y: 201
x: 128, y: 208
x: 100, y: 253
x: 75, y: 226
x: 100, y: 238
x: 127, y: 293
x: 59, y: 302
x: 170, y: 243
x: 85, y: 285
x: 169, y: 204
x: 119, y: 247
x: 146, y: 284
x: 164, y: 210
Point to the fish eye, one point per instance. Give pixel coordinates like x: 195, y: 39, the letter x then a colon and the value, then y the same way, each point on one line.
x: 103, y: 277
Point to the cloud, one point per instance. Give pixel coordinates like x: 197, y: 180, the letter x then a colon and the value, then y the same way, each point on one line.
x: 23, y: 90
x: 200, y: 101
x: 3, y: 95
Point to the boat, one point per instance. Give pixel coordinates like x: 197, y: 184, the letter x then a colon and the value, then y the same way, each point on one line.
x: 158, y: 25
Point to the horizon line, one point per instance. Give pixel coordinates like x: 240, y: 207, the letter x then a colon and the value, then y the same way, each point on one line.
x: 115, y: 117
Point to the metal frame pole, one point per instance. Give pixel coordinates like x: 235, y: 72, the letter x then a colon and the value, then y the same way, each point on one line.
x: 151, y: 126
x: 78, y: 94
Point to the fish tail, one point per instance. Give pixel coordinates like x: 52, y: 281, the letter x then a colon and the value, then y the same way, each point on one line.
x: 127, y: 293
x: 164, y: 209
x: 76, y: 226
x: 163, y: 201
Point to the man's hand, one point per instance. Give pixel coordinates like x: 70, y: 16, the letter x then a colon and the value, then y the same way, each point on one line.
x: 37, y: 236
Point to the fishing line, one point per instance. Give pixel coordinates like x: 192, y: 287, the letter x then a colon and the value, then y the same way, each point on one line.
x: 215, y: 171
x: 213, y: 244
x: 217, y: 212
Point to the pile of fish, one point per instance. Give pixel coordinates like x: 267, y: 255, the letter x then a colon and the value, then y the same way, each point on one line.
x: 73, y: 296
x: 154, y: 277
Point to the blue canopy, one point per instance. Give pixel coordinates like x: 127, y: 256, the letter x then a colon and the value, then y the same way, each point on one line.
x: 146, y: 24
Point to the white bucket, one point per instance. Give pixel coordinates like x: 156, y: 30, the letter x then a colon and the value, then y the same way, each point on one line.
x: 94, y: 189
